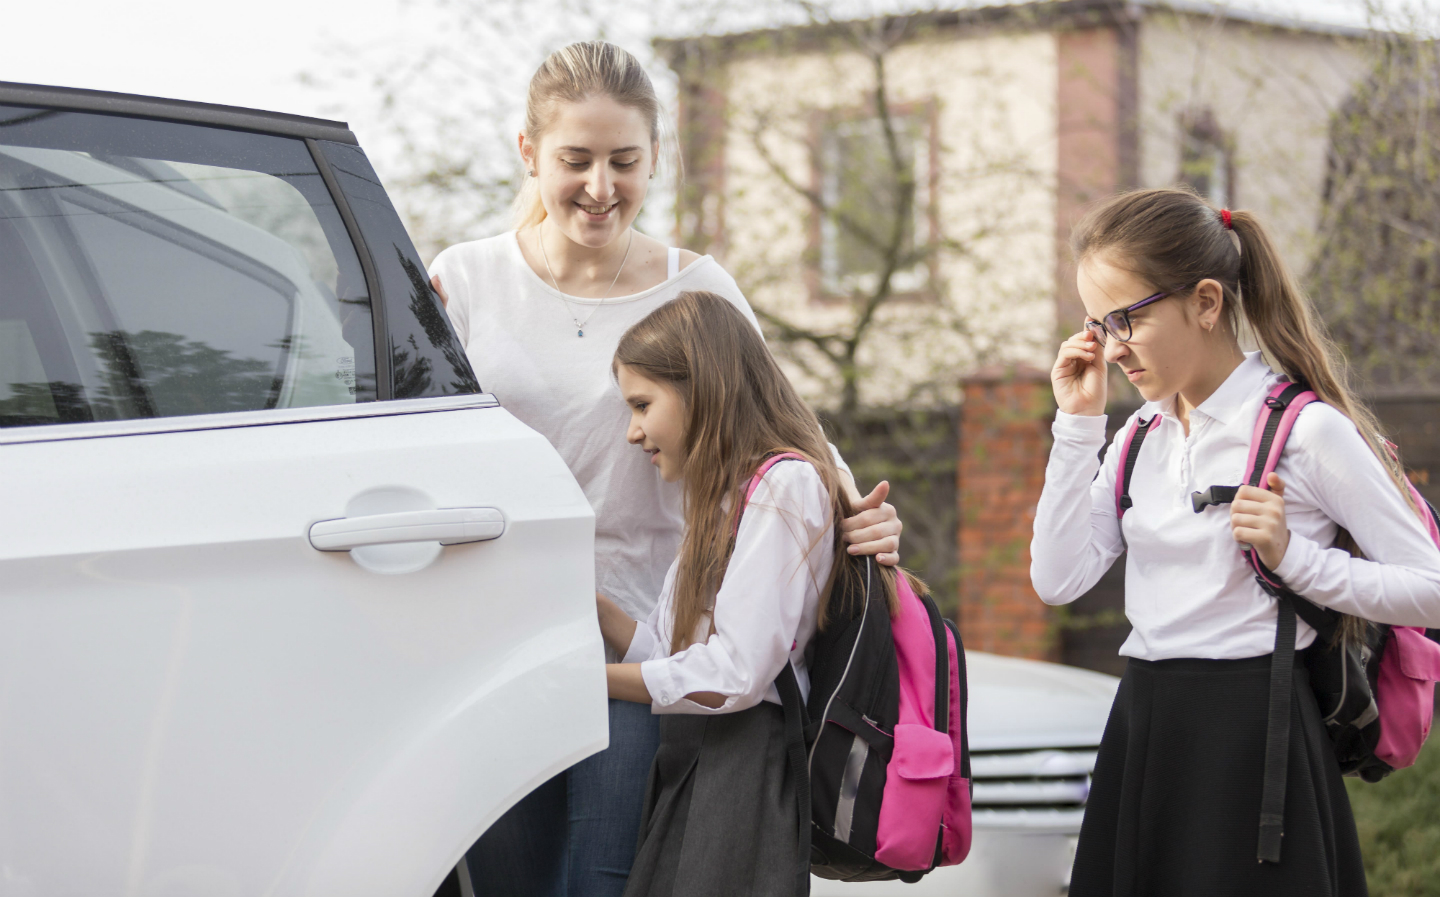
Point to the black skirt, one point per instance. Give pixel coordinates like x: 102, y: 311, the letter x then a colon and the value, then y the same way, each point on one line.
x: 1174, y: 809
x: 720, y: 812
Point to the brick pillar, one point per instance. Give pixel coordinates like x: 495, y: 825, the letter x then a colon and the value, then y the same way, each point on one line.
x: 1004, y: 443
x: 702, y: 126
x: 1097, y: 142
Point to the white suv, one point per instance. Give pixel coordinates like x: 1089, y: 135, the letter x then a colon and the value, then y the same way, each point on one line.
x: 288, y: 605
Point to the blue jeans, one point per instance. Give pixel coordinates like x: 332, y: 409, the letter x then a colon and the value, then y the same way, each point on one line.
x: 575, y: 835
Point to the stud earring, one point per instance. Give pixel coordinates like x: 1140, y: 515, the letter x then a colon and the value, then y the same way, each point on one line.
x: 530, y: 173
x: 652, y: 175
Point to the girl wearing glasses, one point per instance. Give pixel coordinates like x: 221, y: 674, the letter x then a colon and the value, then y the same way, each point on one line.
x: 1168, y: 282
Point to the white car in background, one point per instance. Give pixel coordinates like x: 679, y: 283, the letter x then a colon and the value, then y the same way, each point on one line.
x: 1034, y: 731
x: 288, y: 605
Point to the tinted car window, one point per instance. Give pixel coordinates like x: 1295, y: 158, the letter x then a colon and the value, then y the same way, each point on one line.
x: 425, y: 356
x: 155, y: 269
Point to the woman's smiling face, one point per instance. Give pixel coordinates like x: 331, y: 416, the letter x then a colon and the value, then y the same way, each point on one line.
x: 593, y: 163
x: 657, y: 420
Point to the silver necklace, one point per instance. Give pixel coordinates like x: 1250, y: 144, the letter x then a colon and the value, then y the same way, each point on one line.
x: 579, y: 324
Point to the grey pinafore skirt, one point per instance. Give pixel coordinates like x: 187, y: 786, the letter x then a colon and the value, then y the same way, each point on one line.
x: 719, y: 809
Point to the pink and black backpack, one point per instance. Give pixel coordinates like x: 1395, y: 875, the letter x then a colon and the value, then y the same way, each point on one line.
x: 879, y: 752
x: 1376, y: 696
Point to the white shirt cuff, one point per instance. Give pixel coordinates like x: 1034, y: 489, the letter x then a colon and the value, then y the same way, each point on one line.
x: 642, y: 645
x: 668, y: 696
x: 1300, y: 555
x: 1079, y: 426
x: 660, y: 682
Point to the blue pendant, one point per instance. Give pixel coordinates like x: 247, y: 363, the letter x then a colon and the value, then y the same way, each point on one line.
x: 579, y: 333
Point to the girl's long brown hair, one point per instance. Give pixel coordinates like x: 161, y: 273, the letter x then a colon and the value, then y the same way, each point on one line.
x: 739, y: 409
x: 1174, y: 239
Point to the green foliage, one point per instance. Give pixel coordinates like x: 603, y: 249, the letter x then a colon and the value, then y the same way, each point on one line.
x: 1377, y: 274
x: 1399, y: 823
x: 916, y: 452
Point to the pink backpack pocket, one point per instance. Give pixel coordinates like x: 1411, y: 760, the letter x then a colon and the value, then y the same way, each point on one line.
x: 926, y: 794
x: 914, y: 796
x: 1405, y: 686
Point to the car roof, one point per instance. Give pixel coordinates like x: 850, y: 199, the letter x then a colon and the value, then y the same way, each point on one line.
x: 236, y: 117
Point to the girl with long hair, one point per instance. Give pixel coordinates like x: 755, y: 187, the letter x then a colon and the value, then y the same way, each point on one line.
x: 540, y: 310
x: 708, y: 405
x: 1170, y: 286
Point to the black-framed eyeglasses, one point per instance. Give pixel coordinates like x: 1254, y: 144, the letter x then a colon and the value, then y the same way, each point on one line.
x: 1117, y: 322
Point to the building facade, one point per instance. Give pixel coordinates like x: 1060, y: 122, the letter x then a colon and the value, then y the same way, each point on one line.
x: 915, y: 179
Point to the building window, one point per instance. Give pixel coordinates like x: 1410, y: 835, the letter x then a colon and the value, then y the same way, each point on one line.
x: 1206, y: 160
x: 861, y: 181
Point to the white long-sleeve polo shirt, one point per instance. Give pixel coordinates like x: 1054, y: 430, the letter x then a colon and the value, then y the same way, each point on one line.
x: 765, y: 610
x: 1188, y: 590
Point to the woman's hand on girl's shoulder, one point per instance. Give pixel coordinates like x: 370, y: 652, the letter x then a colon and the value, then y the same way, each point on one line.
x: 1078, y: 376
x: 1257, y: 519
x: 875, y: 528
x: 440, y: 291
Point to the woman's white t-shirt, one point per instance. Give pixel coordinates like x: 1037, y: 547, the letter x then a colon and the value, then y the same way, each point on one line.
x: 520, y: 335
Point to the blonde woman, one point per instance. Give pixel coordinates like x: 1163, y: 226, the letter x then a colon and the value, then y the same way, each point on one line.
x: 541, y: 310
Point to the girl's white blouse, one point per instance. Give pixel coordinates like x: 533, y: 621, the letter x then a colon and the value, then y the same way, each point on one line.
x: 765, y: 609
x: 1188, y: 590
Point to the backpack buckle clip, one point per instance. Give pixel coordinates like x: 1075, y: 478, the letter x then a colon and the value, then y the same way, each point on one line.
x: 1215, y: 495
x: 1267, y: 586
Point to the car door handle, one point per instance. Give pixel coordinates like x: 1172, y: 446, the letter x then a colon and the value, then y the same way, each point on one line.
x: 448, y: 526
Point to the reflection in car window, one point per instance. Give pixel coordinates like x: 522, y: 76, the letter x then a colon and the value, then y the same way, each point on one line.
x: 155, y: 269
x: 426, y: 357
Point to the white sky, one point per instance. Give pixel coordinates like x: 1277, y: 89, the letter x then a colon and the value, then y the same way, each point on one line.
x: 254, y: 54
x: 249, y: 54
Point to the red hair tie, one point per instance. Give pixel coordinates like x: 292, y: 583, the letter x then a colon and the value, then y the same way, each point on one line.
x: 1225, y: 219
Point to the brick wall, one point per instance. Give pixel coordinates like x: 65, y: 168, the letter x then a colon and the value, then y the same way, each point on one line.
x: 1004, y: 442
x: 701, y: 128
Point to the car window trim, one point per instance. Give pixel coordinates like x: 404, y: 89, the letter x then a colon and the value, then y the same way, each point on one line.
x: 236, y: 118
x: 384, y: 385
x: 233, y: 419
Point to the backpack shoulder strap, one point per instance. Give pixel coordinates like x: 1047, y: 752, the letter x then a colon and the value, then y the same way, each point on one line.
x: 795, y: 721
x: 1272, y: 429
x: 1277, y: 735
x: 1129, y: 453
x: 760, y: 472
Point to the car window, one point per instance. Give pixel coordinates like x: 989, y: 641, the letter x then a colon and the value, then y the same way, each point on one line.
x: 425, y: 356
x: 155, y: 269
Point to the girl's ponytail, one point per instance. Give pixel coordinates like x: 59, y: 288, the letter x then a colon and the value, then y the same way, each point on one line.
x: 1284, y: 322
